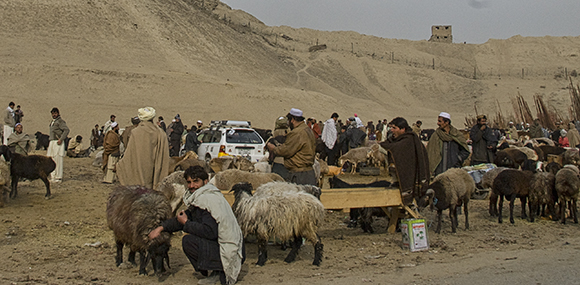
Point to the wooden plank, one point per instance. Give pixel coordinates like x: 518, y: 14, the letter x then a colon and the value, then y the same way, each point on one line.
x: 360, y: 198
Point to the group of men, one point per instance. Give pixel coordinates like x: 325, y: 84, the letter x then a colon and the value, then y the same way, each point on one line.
x: 13, y: 136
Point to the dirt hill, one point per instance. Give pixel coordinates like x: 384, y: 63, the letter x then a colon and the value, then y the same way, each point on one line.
x: 205, y: 61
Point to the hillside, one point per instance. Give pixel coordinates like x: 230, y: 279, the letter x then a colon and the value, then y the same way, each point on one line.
x: 205, y: 61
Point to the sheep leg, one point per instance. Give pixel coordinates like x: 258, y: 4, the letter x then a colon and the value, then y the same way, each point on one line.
x: 14, y: 184
x: 512, y: 202
x: 143, y: 260
x: 493, y: 205
x: 500, y: 209
x: 44, y: 179
x: 523, y: 200
x: 132, y: 257
x: 262, y: 252
x: 574, y: 211
x: 439, y: 214
x: 466, y: 215
x: 119, y: 257
x: 318, y: 251
x: 295, y: 247
x: 453, y: 218
x: 534, y: 210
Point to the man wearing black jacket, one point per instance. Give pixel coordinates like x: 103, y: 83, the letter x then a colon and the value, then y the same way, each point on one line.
x: 214, y: 240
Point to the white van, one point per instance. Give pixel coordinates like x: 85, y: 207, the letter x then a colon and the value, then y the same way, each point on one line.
x: 223, y: 138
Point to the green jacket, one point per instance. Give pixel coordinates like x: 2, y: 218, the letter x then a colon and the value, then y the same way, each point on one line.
x: 299, y: 149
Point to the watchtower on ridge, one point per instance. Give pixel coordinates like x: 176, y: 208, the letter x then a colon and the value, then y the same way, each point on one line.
x: 441, y: 33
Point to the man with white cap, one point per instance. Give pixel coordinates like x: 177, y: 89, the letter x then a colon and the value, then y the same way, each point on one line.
x: 447, y: 146
x: 56, y: 150
x: 483, y: 142
x: 9, y: 121
x: 199, y: 126
x: 298, y: 150
x: 512, y: 132
x: 146, y: 159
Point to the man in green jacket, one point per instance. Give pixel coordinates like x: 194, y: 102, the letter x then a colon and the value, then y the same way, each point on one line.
x: 298, y: 150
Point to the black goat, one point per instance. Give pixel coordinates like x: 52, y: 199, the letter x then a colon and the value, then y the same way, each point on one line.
x: 31, y: 167
x: 365, y: 214
x: 42, y: 140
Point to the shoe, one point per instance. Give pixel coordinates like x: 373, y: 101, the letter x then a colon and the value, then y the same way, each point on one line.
x: 213, y: 278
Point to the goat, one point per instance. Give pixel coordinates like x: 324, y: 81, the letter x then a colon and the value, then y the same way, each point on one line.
x: 42, y: 140
x: 31, y: 167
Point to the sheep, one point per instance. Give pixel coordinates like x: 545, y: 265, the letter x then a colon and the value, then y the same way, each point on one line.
x: 132, y: 213
x: 542, y: 193
x: 42, y: 140
x: 281, y: 210
x: 31, y: 167
x: 355, y: 156
x: 450, y: 190
x: 554, y: 150
x: 529, y: 152
x: 224, y: 180
x: 376, y: 156
x: 512, y: 183
x: 188, y: 160
x: 262, y: 167
x: 487, y: 182
x: 571, y: 156
x: 567, y: 187
x: 173, y: 187
x: 230, y: 162
x: 510, y: 157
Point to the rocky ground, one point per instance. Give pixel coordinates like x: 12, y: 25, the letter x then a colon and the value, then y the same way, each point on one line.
x: 65, y: 240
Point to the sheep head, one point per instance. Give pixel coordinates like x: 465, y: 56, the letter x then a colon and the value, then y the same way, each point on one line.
x: 427, y: 199
x: 159, y: 253
x: 240, y: 190
x: 5, y: 151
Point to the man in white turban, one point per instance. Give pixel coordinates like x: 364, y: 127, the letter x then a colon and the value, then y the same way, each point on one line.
x: 146, y: 159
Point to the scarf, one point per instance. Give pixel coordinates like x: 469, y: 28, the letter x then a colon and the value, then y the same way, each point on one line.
x: 230, y: 236
x: 435, y: 146
x: 329, y: 133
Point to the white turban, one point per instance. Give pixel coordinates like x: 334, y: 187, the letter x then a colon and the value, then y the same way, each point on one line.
x: 445, y: 115
x: 146, y: 114
x: 114, y: 124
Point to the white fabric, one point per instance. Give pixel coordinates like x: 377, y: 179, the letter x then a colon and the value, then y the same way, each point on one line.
x: 329, y: 133
x: 230, y: 237
x: 56, y: 152
x: 296, y: 112
x: 146, y: 114
x: 359, y: 123
x: 8, y: 130
x: 445, y: 115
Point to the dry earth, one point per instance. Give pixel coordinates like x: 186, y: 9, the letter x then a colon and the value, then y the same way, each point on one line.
x: 46, y: 242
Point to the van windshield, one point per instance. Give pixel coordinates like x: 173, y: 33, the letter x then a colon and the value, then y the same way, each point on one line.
x: 243, y: 136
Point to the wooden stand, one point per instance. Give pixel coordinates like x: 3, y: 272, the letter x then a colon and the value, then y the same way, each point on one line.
x: 347, y: 198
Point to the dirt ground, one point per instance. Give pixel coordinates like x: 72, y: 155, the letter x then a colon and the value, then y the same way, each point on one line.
x: 65, y: 240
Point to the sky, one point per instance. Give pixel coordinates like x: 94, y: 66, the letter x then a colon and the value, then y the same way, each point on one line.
x: 473, y: 21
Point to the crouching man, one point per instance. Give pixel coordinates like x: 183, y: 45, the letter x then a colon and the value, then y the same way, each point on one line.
x: 214, y: 241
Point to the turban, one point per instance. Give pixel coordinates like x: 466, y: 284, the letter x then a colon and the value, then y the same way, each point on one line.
x: 146, y: 114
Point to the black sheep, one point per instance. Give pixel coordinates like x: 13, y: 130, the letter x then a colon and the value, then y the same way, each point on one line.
x: 512, y: 184
x: 42, y: 140
x: 31, y: 167
x: 365, y: 214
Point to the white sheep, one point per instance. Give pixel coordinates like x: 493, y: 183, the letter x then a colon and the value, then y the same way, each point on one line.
x: 282, y: 210
x: 355, y: 156
x: 224, y: 180
x: 173, y: 187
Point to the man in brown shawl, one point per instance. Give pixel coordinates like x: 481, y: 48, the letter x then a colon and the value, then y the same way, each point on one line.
x: 127, y: 133
x: 410, y: 158
x: 447, y: 146
x: 146, y: 159
x: 573, y: 135
x: 19, y: 141
x: 111, y: 152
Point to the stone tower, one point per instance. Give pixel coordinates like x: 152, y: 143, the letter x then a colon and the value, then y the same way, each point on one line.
x: 441, y: 34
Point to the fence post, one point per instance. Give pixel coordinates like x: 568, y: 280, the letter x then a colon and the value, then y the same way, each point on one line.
x: 433, y: 63
x: 522, y: 73
x: 474, y: 72
x: 566, y: 72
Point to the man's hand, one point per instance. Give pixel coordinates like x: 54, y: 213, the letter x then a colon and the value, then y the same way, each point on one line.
x: 59, y: 142
x: 483, y: 127
x: 182, y: 217
x: 155, y: 233
x: 270, y: 146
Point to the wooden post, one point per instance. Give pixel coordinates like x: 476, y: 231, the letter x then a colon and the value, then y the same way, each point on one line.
x: 433, y: 63
x: 566, y: 72
x: 522, y: 73
x: 392, y: 56
x: 475, y: 72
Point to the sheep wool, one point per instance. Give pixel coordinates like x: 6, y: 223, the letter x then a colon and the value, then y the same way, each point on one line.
x: 224, y: 180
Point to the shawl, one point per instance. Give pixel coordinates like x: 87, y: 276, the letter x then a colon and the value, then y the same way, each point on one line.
x: 230, y: 237
x: 435, y: 145
x: 111, y: 145
x: 146, y: 159
x: 573, y: 135
x: 22, y: 140
x: 329, y: 133
x: 411, y: 162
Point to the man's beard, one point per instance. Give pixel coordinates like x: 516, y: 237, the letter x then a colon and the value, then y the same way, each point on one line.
x: 291, y: 126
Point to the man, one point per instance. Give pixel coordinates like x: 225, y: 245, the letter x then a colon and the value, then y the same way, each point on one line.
x: 127, y: 133
x: 146, y: 159
x: 18, y: 114
x: 75, y: 148
x: 573, y: 135
x: 19, y: 141
x: 56, y: 150
x: 161, y: 124
x: 207, y: 245
x: 410, y: 158
x: 556, y: 134
x: 359, y: 123
x: 191, y: 142
x: 175, y: 133
x: 111, y: 153
x: 447, y: 146
x: 329, y: 137
x: 108, y: 124
x: 9, y: 121
x: 298, y: 150
x: 512, y: 132
x: 314, y: 127
x: 417, y: 128
x: 96, y: 135
x: 199, y: 126
x: 535, y: 130
x: 354, y: 135
x: 281, y: 129
x: 483, y: 142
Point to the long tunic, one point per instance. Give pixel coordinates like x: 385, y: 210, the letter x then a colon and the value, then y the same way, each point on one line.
x: 146, y: 159
x: 110, y: 145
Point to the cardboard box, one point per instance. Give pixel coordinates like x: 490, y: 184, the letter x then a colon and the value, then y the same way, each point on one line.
x: 414, y: 234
